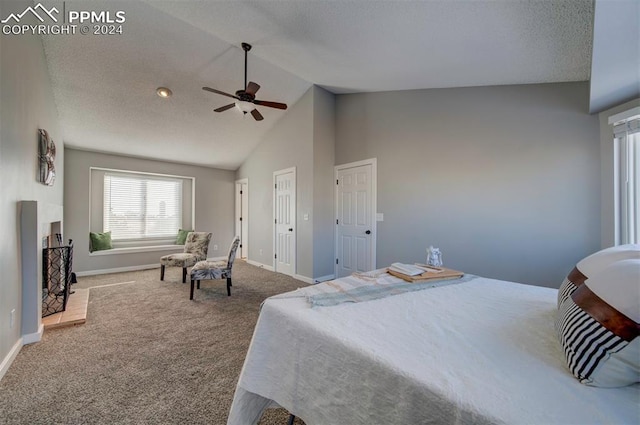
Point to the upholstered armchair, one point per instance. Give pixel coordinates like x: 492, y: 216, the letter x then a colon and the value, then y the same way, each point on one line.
x: 206, y: 270
x: 195, y: 249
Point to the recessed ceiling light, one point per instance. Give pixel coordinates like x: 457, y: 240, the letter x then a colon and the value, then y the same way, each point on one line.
x: 163, y: 92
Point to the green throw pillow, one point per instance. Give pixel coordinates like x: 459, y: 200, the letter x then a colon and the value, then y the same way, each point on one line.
x: 182, y: 236
x: 99, y: 241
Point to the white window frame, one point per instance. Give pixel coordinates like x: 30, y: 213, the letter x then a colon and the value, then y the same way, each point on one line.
x: 96, y: 205
x: 626, y: 154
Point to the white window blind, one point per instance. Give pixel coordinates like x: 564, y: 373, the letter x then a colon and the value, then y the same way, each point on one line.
x: 138, y: 206
x: 627, y: 137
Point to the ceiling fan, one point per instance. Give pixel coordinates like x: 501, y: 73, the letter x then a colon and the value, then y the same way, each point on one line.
x: 246, y: 99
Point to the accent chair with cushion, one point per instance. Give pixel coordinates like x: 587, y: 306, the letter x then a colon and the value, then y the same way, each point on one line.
x: 207, y: 270
x: 195, y: 249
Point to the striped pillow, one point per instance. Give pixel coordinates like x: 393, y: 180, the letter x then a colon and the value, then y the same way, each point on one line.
x: 570, y: 284
x: 600, y: 340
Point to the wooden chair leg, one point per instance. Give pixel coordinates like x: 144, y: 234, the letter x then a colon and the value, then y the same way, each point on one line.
x: 228, y: 286
x: 162, y: 272
x: 191, y: 295
x: 184, y: 275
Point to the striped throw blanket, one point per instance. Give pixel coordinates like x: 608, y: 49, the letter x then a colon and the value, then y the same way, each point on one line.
x: 345, y: 291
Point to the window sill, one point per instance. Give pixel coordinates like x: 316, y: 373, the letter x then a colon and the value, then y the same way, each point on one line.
x: 136, y: 249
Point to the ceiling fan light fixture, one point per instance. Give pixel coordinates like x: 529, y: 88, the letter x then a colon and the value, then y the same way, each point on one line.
x: 244, y: 107
x: 163, y: 92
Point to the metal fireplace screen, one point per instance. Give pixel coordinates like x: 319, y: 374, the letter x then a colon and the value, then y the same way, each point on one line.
x: 56, y: 278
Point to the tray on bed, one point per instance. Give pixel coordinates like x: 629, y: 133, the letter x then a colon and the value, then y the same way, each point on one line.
x: 443, y: 274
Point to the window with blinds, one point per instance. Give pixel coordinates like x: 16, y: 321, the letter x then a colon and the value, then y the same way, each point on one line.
x: 627, y: 140
x: 139, y: 206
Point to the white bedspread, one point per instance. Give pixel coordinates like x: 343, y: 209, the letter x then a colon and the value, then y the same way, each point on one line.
x: 483, y: 351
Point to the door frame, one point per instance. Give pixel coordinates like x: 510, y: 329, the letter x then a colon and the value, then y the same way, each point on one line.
x: 374, y: 200
x: 245, y: 219
x: 295, y: 219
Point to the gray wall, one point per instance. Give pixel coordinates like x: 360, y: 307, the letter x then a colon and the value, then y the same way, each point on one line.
x: 213, y: 202
x: 615, y: 61
x: 26, y: 104
x: 607, y: 174
x: 324, y: 134
x: 304, y: 138
x: 289, y: 143
x: 505, y: 180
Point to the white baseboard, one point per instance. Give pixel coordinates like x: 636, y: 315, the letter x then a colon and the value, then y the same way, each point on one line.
x: 303, y: 278
x: 34, y: 337
x: 314, y: 281
x: 10, y: 357
x: 119, y: 269
x: 263, y: 266
x: 324, y: 278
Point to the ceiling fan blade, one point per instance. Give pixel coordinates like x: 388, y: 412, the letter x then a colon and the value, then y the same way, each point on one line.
x: 257, y: 115
x: 219, y: 92
x: 252, y: 88
x: 270, y: 104
x: 225, y: 107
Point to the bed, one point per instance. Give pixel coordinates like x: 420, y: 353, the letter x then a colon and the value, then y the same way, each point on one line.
x: 372, y: 349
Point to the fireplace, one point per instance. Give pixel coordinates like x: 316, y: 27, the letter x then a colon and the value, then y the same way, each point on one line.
x: 56, y: 277
x: 38, y: 220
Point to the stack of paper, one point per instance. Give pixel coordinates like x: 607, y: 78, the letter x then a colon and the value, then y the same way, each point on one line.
x: 415, y: 272
x: 408, y: 269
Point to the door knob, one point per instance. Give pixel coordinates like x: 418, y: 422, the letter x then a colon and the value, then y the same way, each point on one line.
x: 290, y: 229
x: 368, y: 232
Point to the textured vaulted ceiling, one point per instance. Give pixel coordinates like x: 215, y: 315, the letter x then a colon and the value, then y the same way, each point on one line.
x: 104, y: 85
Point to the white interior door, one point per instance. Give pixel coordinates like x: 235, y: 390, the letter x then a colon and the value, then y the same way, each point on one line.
x: 355, y: 217
x: 242, y: 216
x: 284, y: 211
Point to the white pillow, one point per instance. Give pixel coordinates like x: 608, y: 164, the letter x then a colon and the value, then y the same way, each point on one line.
x: 619, y: 286
x: 592, y: 264
x: 595, y: 262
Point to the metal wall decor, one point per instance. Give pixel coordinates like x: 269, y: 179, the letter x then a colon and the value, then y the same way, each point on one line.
x: 46, y: 156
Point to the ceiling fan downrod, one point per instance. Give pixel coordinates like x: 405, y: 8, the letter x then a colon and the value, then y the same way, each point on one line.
x: 246, y: 47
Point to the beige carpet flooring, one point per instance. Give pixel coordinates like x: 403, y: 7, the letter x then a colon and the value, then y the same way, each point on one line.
x: 147, y: 354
